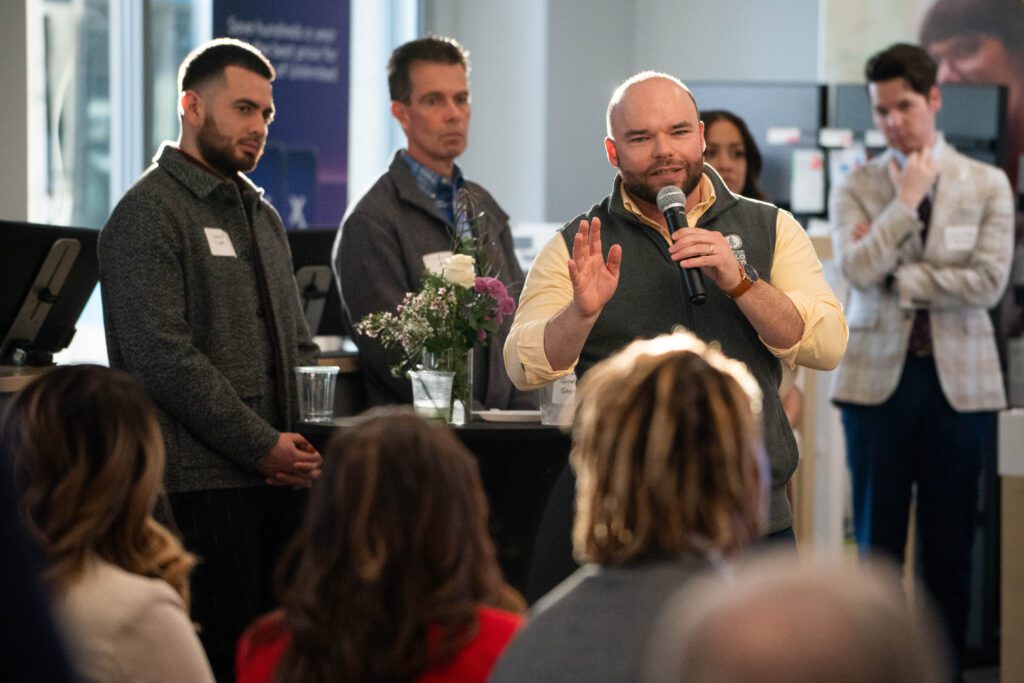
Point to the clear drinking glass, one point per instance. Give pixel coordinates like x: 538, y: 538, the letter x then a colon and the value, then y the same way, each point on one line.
x: 558, y: 401
x: 316, y: 392
x: 432, y: 393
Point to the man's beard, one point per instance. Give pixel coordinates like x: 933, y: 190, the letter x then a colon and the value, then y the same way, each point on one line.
x: 216, y: 150
x: 637, y: 185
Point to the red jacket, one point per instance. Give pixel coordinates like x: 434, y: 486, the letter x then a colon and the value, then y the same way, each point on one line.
x: 264, y: 642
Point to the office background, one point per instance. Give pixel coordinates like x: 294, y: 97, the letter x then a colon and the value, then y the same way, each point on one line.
x: 542, y: 72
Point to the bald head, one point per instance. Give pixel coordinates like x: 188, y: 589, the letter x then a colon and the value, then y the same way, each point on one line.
x: 655, y: 138
x: 638, y: 91
x: 801, y: 620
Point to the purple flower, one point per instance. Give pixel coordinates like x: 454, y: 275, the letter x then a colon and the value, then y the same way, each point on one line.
x: 495, y: 288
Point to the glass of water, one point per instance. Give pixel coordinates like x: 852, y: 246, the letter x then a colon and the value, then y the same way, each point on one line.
x: 432, y: 393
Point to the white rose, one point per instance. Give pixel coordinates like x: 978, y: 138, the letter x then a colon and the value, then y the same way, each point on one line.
x: 460, y: 270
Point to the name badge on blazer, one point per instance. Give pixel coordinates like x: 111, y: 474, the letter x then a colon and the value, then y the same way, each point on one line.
x: 220, y: 243
x: 960, y: 237
x: 434, y: 262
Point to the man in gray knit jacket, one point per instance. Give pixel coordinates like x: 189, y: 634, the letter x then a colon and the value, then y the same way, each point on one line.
x: 200, y: 305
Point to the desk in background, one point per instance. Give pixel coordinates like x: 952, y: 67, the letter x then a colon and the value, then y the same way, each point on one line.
x: 519, y: 463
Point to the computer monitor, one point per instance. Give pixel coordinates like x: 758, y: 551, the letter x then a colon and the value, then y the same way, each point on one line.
x: 311, y: 258
x: 782, y: 118
x: 973, y: 117
x: 48, y: 274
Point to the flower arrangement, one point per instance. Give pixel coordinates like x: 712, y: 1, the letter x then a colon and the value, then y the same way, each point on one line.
x: 453, y: 311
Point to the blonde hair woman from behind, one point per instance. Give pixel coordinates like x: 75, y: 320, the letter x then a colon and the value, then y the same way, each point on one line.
x: 89, y: 460
x: 671, y: 483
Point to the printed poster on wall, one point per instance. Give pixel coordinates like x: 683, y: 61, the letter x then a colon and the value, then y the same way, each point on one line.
x: 304, y: 169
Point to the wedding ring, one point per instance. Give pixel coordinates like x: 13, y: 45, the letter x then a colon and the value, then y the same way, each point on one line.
x: 711, y: 250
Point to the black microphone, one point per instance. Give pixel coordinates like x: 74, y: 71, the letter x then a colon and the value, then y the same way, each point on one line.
x: 672, y: 203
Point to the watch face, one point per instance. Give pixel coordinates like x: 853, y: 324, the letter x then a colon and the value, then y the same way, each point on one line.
x: 750, y: 271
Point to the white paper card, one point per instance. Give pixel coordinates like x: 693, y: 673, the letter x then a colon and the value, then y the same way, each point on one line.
x: 220, y: 243
x: 874, y: 138
x: 807, y: 189
x: 782, y: 135
x: 835, y: 137
x: 843, y: 162
x: 434, y: 262
x: 564, y: 390
x: 960, y: 237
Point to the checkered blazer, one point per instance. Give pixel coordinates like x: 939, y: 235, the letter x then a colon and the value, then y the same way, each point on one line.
x: 957, y: 274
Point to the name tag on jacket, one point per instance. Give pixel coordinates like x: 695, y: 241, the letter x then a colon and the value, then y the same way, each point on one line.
x: 960, y: 237
x: 435, y: 262
x: 220, y: 243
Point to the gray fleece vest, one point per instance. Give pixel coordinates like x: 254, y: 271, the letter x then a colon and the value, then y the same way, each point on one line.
x: 651, y: 299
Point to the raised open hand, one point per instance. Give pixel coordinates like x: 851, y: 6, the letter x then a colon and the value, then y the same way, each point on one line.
x: 593, y: 280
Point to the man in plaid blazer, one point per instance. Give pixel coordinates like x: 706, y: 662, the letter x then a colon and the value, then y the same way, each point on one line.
x: 924, y: 236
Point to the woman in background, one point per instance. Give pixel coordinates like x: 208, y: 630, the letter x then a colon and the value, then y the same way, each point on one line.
x: 732, y: 151
x: 734, y: 154
x: 392, y: 576
x: 89, y: 460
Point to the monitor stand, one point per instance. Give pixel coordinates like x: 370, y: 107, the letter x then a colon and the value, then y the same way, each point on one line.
x: 314, y: 285
x: 17, y: 346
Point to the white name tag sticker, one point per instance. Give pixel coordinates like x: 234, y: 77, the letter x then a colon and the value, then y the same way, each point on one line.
x: 220, y: 243
x: 960, y: 237
x: 434, y: 262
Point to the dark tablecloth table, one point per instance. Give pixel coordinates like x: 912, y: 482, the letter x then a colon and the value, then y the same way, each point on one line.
x: 519, y: 464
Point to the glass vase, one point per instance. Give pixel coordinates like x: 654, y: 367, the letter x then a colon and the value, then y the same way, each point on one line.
x: 461, y: 363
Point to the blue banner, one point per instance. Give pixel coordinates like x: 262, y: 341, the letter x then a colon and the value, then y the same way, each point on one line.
x: 304, y: 170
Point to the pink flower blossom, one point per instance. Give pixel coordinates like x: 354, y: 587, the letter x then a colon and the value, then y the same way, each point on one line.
x: 503, y: 303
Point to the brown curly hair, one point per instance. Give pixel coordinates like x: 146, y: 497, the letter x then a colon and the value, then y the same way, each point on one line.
x: 394, y: 543
x: 666, y: 453
x: 89, y: 460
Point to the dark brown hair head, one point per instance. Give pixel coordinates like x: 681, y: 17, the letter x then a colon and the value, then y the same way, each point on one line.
x: 903, y: 60
x: 435, y: 49
x: 209, y: 60
x: 751, y: 184
x: 394, y: 542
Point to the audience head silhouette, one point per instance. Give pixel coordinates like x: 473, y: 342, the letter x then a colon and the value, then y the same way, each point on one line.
x: 394, y: 552
x: 666, y: 451
x: 89, y: 460
x: 800, y: 620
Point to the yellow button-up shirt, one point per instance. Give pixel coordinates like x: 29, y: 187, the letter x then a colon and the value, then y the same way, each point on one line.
x: 796, y: 271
